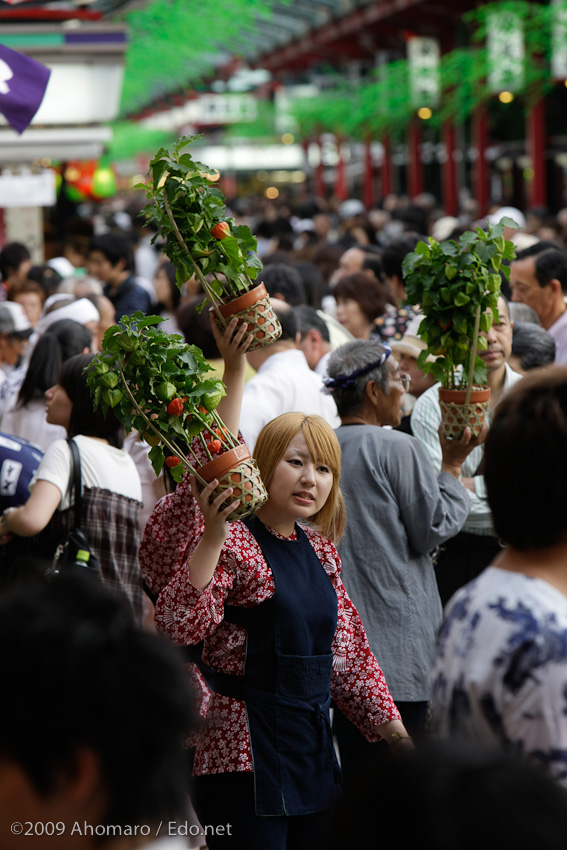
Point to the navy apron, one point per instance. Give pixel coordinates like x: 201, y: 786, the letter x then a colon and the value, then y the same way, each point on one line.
x: 286, y: 683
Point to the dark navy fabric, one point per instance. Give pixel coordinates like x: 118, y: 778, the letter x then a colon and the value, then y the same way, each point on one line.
x: 286, y: 686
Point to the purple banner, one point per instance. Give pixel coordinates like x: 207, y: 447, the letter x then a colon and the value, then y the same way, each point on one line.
x: 23, y: 82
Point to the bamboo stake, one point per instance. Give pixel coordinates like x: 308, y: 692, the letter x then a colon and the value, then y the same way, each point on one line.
x: 198, y: 271
x: 172, y: 448
x: 473, y: 355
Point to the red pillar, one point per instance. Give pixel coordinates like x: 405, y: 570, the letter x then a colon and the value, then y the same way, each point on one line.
x: 368, y: 185
x: 415, y: 172
x: 319, y: 172
x: 481, y: 174
x: 449, y: 171
x: 341, y: 189
x: 386, y: 171
x: 535, y: 137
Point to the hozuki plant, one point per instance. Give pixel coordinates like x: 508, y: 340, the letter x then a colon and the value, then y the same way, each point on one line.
x: 156, y: 384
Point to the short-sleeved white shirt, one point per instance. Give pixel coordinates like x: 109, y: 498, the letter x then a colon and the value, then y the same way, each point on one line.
x: 102, y: 466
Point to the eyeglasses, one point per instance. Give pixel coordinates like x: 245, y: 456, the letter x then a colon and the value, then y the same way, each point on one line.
x: 404, y: 379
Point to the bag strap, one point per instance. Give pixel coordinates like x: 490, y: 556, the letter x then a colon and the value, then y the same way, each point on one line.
x: 75, y: 481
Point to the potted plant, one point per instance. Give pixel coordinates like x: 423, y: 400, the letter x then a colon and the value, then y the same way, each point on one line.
x: 457, y: 285
x: 156, y: 384
x: 202, y: 240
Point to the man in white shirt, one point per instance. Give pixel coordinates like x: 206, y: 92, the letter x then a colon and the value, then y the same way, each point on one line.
x: 466, y: 555
x: 284, y: 382
x: 538, y: 278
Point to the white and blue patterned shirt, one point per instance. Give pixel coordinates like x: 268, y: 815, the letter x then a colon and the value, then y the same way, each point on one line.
x: 500, y: 672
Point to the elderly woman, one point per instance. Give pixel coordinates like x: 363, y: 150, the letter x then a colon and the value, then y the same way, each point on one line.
x: 398, y: 510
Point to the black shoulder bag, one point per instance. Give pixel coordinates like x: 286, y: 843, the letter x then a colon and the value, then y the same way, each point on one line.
x: 74, y: 551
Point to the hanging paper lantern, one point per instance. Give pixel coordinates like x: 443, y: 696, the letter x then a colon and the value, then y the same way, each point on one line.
x: 423, y: 59
x: 506, y: 51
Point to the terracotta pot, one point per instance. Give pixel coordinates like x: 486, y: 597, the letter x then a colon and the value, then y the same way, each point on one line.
x: 456, y: 414
x: 255, y: 309
x: 235, y: 468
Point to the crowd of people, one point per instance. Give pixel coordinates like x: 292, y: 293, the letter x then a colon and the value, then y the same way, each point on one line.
x: 398, y: 588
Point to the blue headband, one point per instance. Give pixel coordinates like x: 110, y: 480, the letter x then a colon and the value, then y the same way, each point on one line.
x: 345, y: 381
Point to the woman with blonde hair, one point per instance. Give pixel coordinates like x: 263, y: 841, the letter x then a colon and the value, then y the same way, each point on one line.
x: 280, y: 636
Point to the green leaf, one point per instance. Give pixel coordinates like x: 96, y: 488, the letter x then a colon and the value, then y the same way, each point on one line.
x: 158, y: 170
x: 147, y: 321
x: 461, y: 299
x: 468, y: 238
x: 112, y: 397
x: 509, y: 222
x: 157, y: 458
x: 479, y: 373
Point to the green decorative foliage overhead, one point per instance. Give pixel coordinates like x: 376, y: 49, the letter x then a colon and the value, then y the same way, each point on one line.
x: 382, y: 104
x: 263, y: 126
x: 174, y: 42
x: 131, y: 139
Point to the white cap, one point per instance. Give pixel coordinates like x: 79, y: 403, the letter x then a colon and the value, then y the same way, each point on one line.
x: 507, y: 212
x: 13, y: 319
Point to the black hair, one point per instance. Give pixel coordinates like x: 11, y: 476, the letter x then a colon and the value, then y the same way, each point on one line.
x: 286, y: 314
x: 196, y: 327
x: 48, y: 278
x: 61, y: 340
x: 115, y: 248
x: 84, y: 420
x: 171, y: 274
x: 526, y: 461
x: 84, y: 675
x: 394, y: 253
x: 535, y: 249
x: 550, y: 265
x: 309, y: 319
x: 313, y: 283
x: 285, y: 280
x: 373, y: 262
x: 460, y: 795
x: 532, y: 345
x: 12, y: 256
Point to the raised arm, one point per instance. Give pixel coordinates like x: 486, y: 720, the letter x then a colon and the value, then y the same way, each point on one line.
x: 233, y: 344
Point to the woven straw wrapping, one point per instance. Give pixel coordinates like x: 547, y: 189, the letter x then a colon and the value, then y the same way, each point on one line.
x: 456, y: 417
x: 244, y: 478
x: 262, y: 322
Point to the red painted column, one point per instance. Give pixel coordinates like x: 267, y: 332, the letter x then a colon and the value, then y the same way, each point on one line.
x: 481, y: 174
x: 415, y: 172
x: 449, y: 171
x: 386, y: 171
x: 341, y: 188
x: 368, y: 184
x: 535, y: 138
x: 319, y: 172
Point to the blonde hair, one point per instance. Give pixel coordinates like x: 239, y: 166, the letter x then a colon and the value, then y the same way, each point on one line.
x: 323, y: 445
